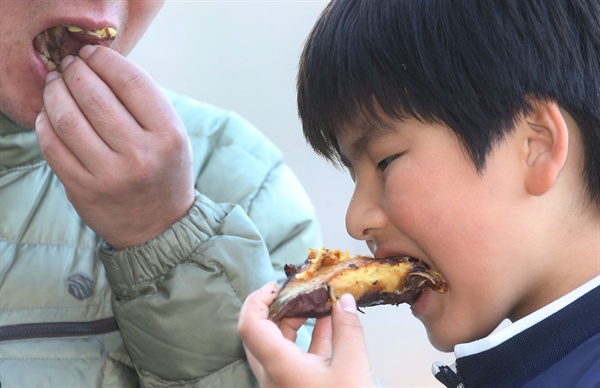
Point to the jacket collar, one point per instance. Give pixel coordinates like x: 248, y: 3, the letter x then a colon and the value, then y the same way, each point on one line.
x: 516, y: 354
x: 18, y: 145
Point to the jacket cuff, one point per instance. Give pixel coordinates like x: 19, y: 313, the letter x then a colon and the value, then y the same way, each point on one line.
x: 133, y: 269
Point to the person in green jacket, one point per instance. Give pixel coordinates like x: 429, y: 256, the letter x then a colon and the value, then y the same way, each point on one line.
x: 135, y: 221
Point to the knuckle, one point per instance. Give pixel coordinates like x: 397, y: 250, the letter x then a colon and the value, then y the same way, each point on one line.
x: 135, y: 81
x: 95, y: 99
x: 175, y: 142
x: 141, y: 166
x: 67, y: 121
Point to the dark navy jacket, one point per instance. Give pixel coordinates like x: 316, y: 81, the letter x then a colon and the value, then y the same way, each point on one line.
x: 558, y: 346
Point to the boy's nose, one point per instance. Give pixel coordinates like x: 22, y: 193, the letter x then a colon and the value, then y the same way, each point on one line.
x: 365, y: 215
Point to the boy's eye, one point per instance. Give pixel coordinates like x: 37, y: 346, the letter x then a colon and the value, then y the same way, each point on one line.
x: 386, y: 162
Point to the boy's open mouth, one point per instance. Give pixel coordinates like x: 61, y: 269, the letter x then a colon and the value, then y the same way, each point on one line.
x: 67, y: 39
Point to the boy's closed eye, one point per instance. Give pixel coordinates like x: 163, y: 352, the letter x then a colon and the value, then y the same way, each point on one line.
x: 383, y: 164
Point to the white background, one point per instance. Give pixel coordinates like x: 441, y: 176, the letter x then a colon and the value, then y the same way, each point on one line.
x: 243, y: 56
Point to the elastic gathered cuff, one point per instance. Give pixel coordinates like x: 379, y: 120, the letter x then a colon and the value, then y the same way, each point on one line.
x: 131, y: 270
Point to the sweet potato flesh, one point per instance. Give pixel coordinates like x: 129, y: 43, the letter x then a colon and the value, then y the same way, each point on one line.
x: 312, y: 289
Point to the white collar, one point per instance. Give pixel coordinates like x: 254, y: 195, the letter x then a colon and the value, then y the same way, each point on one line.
x: 498, y: 337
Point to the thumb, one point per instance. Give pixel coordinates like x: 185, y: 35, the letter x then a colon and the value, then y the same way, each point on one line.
x: 349, y: 346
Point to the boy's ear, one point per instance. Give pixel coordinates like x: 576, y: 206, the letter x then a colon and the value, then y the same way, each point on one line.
x: 547, y: 143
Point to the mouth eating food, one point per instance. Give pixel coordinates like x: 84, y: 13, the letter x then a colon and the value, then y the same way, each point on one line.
x: 67, y: 39
x: 311, y: 289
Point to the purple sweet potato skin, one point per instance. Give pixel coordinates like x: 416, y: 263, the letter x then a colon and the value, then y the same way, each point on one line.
x: 307, y: 305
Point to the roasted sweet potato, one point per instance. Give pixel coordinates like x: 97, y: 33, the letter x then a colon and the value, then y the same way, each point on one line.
x: 312, y: 288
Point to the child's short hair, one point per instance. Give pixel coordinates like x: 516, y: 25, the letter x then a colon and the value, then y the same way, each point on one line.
x: 475, y: 66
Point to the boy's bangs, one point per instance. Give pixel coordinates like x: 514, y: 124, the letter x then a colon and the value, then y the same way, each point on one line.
x: 345, y: 84
x: 474, y: 66
x: 367, y: 62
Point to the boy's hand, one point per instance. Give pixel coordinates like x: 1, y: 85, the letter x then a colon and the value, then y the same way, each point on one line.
x: 337, y: 355
x: 116, y: 143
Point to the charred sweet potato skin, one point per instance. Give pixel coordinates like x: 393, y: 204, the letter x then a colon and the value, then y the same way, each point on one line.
x: 311, y: 289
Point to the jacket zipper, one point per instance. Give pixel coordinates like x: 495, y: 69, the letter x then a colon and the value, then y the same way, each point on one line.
x: 57, y: 329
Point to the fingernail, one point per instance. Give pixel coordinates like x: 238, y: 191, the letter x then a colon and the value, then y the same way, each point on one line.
x: 86, y: 51
x: 347, y: 303
x: 52, y: 75
x: 272, y: 285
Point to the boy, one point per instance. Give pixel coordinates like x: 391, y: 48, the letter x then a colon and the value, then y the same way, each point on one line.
x: 472, y: 132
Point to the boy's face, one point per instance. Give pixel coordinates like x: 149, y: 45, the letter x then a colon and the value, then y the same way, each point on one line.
x: 418, y: 194
x: 22, y: 71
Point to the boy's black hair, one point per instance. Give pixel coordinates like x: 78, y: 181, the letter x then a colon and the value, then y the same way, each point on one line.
x: 473, y: 65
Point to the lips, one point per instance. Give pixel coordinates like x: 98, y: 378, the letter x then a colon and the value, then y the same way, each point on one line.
x: 67, y: 39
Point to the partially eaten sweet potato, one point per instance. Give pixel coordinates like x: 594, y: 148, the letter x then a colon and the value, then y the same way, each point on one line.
x: 311, y: 289
x: 57, y: 42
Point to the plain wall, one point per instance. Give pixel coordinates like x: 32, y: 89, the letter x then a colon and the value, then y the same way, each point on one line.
x: 243, y: 56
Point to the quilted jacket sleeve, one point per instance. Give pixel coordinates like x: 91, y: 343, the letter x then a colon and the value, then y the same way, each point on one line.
x: 177, y: 297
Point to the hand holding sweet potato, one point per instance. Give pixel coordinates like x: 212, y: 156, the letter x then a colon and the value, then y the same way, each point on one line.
x: 337, y: 355
x: 117, y: 145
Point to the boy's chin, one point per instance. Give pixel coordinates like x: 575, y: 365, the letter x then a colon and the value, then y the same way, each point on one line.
x: 440, y: 342
x: 445, y: 336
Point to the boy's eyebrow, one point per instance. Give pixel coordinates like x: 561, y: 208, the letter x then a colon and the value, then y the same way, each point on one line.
x: 371, y: 131
x: 359, y: 146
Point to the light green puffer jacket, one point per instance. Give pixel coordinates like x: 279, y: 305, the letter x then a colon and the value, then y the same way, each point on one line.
x: 75, y: 314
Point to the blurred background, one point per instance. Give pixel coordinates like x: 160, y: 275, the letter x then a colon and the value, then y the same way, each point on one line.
x: 243, y: 56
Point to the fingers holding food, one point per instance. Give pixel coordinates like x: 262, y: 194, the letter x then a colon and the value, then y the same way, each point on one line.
x: 136, y: 90
x: 262, y: 337
x: 55, y: 43
x: 68, y: 122
x: 105, y: 114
